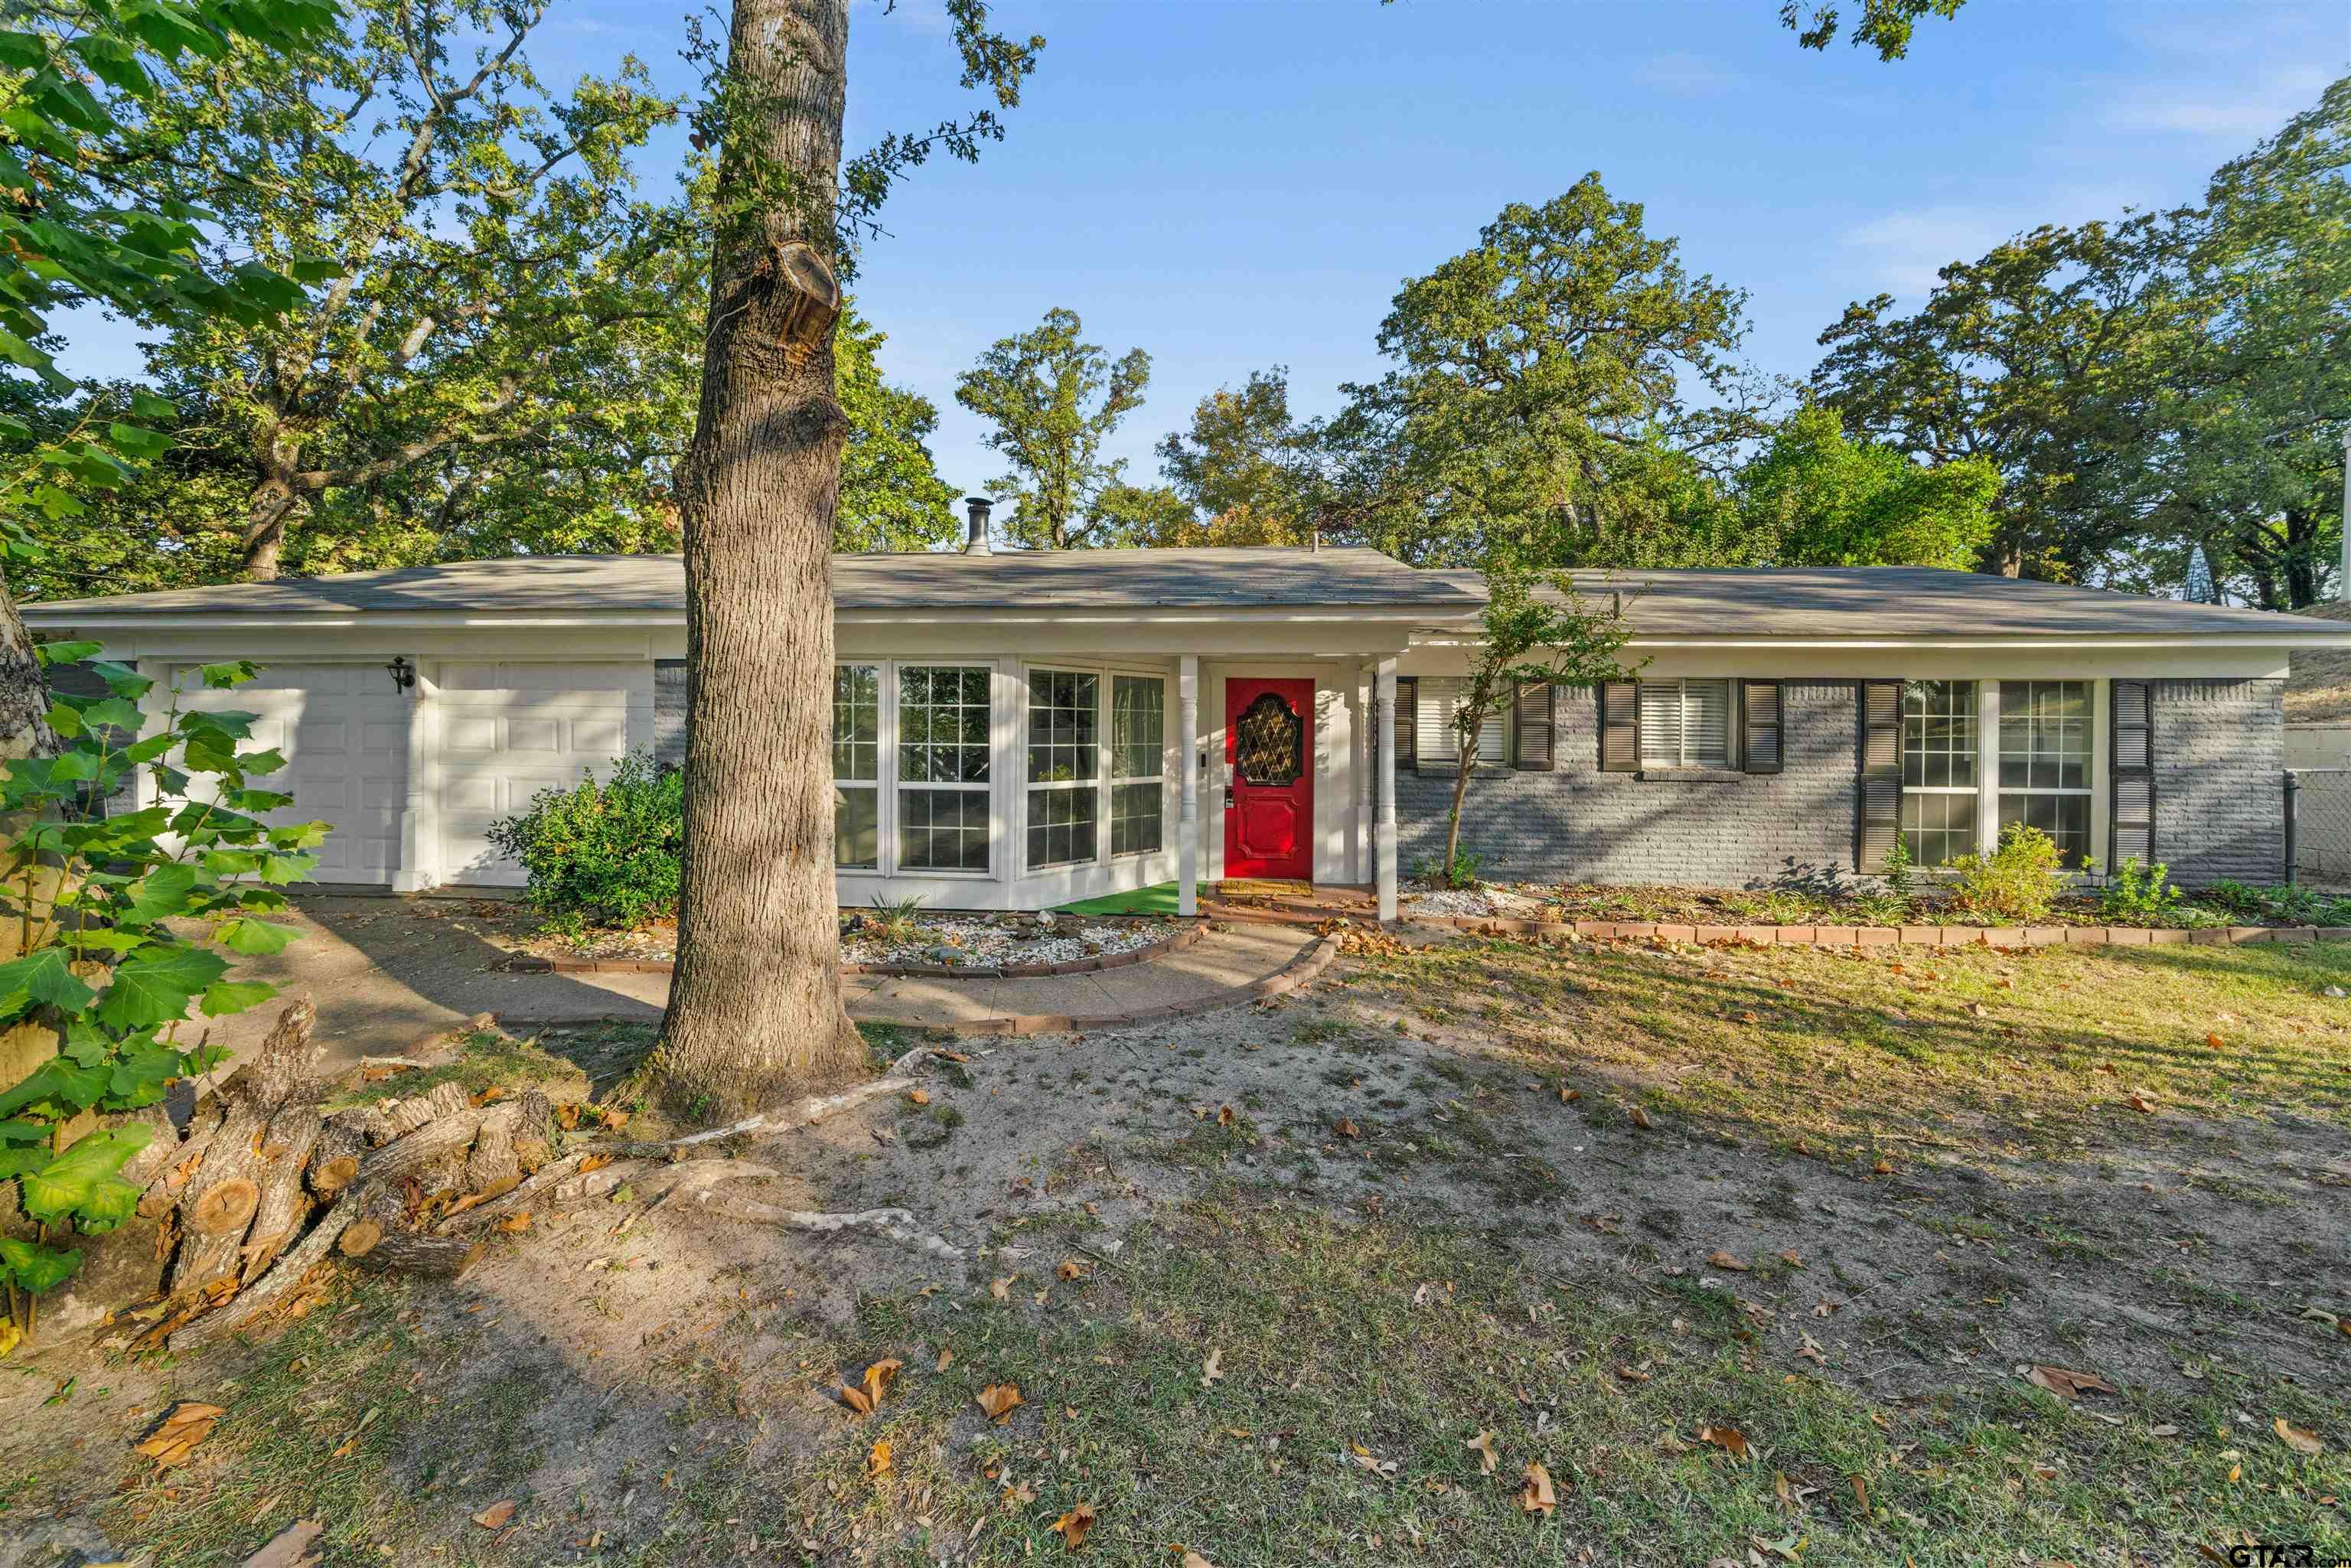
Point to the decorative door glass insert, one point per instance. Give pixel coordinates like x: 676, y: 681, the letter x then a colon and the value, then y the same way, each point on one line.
x: 1269, y: 743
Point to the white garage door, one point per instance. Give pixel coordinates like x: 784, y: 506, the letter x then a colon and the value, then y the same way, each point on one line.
x: 343, y: 729
x: 510, y: 730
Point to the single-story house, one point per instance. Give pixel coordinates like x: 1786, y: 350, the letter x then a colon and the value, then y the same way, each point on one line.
x: 1016, y: 729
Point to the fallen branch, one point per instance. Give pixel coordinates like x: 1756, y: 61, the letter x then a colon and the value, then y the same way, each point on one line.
x: 896, y: 1223
x: 818, y: 1108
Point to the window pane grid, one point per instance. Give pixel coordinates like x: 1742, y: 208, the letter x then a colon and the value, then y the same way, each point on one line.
x: 1138, y: 725
x: 1062, y: 826
x: 2044, y: 761
x: 1135, y: 819
x: 943, y: 746
x: 1939, y: 734
x: 943, y: 830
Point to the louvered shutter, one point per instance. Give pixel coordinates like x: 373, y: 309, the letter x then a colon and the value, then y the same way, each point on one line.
x: 1531, y: 752
x: 1408, y: 723
x: 1620, y: 726
x: 1759, y: 738
x: 1880, y: 786
x: 2131, y: 826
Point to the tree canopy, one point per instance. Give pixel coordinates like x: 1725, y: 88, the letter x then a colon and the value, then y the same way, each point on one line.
x: 1053, y: 398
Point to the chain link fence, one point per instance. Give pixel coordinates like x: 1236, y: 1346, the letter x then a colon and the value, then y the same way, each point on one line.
x: 2318, y: 825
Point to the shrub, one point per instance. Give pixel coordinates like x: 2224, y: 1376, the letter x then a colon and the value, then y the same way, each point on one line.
x: 2018, y: 881
x: 602, y: 855
x: 2138, y: 893
x: 1462, y: 873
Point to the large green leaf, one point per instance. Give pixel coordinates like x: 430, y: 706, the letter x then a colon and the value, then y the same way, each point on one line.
x: 254, y: 938
x: 223, y: 997
x: 110, y: 1202
x: 55, y: 1089
x: 161, y: 891
x: 139, y: 1077
x: 42, y: 975
x: 35, y: 1267
x: 72, y: 1179
x: 155, y: 987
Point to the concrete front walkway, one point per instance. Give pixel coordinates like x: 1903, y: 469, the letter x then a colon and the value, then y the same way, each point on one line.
x: 387, y: 973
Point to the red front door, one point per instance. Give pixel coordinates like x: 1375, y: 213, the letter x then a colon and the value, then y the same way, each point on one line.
x: 1269, y: 761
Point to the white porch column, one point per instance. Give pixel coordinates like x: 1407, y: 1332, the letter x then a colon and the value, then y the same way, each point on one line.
x: 1385, y: 832
x: 420, y: 818
x: 1187, y: 731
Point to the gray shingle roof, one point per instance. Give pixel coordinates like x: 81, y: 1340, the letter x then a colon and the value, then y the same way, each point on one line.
x: 1906, y: 602
x: 655, y: 584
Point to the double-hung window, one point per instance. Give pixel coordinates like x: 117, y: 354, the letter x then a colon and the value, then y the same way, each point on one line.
x: 2044, y: 761
x: 943, y: 775
x: 1437, y: 736
x: 1138, y: 760
x: 1938, y: 770
x: 1064, y: 767
x: 1684, y: 724
x: 857, y: 767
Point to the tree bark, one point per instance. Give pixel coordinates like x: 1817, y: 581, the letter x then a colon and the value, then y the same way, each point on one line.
x: 755, y: 1007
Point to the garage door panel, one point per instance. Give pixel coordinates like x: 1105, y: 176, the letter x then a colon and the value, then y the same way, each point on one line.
x: 525, y: 736
x: 511, y: 730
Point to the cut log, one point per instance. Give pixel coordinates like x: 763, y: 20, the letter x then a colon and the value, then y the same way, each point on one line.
x: 276, y: 1285
x: 164, y: 1190
x: 219, y: 1205
x: 444, y: 1099
x: 493, y: 1167
x: 449, y: 1257
x: 421, y: 1150
x: 534, y: 1131
x: 377, y: 1216
x: 342, y: 1144
x: 293, y: 1134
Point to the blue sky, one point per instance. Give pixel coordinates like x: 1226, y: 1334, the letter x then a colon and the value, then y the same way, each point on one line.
x: 1235, y: 184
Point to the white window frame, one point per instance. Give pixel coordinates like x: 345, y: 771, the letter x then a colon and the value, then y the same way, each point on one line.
x: 1994, y: 752
x: 1975, y: 755
x: 1681, y: 685
x: 1097, y: 780
x: 884, y: 755
x: 1117, y: 780
x: 1437, y: 703
x: 893, y: 863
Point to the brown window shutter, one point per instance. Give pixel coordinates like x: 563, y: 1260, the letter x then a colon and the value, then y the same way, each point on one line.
x: 1880, y: 790
x: 1531, y: 745
x: 1759, y: 720
x: 1408, y: 723
x: 1620, y: 726
x: 2131, y: 764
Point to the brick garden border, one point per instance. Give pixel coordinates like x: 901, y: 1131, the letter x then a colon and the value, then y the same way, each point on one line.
x: 1175, y: 942
x: 1300, y: 971
x: 1896, y: 936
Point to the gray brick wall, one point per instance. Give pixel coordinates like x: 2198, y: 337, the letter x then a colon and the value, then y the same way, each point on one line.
x: 2220, y: 757
x: 669, y: 711
x: 1581, y: 824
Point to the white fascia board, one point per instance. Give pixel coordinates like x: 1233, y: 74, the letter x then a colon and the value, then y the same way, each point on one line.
x: 1999, y: 645
x: 358, y: 619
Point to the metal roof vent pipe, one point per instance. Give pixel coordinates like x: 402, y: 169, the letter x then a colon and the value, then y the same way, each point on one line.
x: 974, y: 539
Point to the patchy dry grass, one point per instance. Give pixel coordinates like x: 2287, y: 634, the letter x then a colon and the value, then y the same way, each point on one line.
x: 1358, y: 1361
x: 1854, y: 1055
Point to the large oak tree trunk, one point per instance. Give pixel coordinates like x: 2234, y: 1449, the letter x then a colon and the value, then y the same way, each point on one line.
x: 754, y: 1005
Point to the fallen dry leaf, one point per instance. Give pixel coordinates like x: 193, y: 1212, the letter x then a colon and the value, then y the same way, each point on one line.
x: 1787, y: 1256
x: 1487, y: 1458
x: 918, y: 1096
x: 1194, y: 1560
x: 2300, y: 1440
x: 1569, y: 1096
x: 1883, y: 1167
x: 1224, y: 1115
x: 877, y: 1460
x: 1347, y: 1128
x: 1072, y: 1526
x: 1002, y: 1288
x: 2068, y: 1385
x: 1071, y: 1268
x: 1722, y: 1260
x: 188, y: 1425
x: 290, y: 1548
x: 2213, y: 1041
x: 946, y: 1359
x: 515, y: 1223
x: 1213, y: 1368
x: 2139, y: 1103
x: 1536, y: 1496
x: 1729, y: 1440
x: 1640, y: 1117
x: 495, y: 1517
x: 1860, y: 1491
x: 998, y: 1399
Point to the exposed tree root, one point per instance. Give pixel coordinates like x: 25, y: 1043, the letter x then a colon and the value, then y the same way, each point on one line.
x: 818, y: 1108
x: 894, y: 1224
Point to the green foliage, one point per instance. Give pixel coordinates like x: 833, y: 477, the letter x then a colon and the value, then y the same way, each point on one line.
x: 2290, y: 904
x: 91, y: 900
x: 1246, y: 473
x: 1900, y: 879
x: 1813, y: 498
x: 602, y: 853
x: 2139, y: 893
x: 1460, y: 871
x: 892, y: 498
x: 1053, y: 398
x: 2018, y: 881
x: 896, y: 920
x: 1883, y: 24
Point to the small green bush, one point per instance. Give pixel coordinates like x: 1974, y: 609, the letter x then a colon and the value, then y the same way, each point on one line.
x: 1463, y: 873
x: 2139, y: 892
x: 2018, y: 881
x: 602, y: 855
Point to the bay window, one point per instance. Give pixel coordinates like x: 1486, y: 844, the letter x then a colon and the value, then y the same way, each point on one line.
x: 2044, y: 761
x: 943, y: 767
x: 857, y: 767
x: 1138, y: 759
x: 1938, y: 770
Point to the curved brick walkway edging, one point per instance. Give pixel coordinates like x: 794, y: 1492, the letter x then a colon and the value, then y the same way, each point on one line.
x: 1894, y: 936
x: 532, y: 964
x: 1300, y: 971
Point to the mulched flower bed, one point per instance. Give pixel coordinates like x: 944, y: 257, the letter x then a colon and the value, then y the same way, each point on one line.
x: 1780, y: 906
x: 989, y: 941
